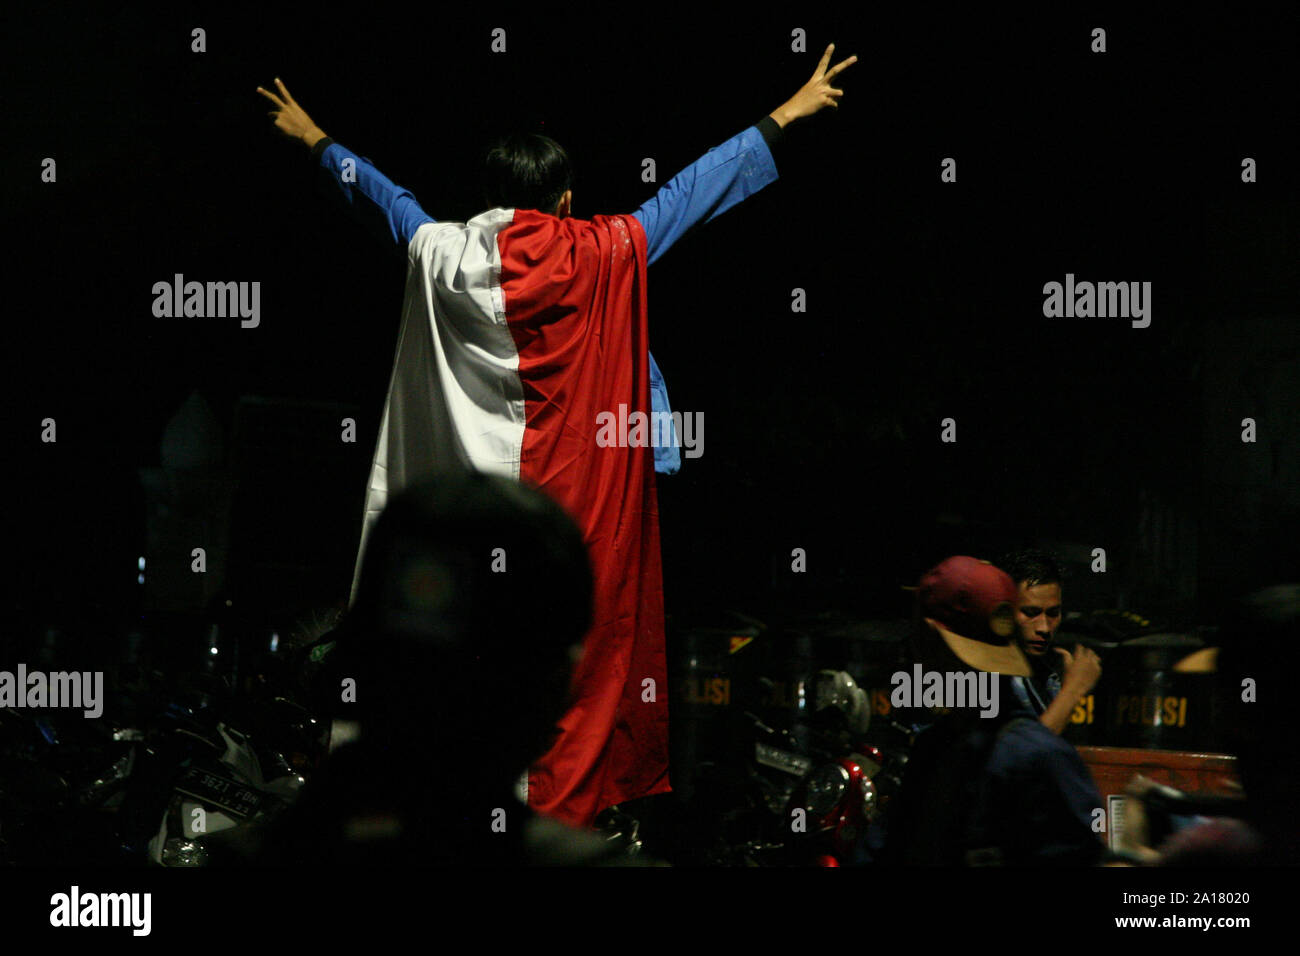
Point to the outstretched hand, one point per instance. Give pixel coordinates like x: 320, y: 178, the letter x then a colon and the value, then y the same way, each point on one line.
x: 817, y: 93
x: 290, y: 118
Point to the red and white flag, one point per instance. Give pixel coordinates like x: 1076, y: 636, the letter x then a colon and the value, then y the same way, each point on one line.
x: 518, y: 330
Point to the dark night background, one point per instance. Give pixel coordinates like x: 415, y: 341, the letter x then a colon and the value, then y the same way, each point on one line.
x: 822, y: 428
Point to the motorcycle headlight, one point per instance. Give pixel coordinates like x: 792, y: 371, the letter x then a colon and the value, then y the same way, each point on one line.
x: 826, y: 788
x: 181, y: 852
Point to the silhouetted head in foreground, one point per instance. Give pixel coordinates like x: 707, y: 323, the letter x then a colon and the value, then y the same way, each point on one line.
x: 475, y: 592
x: 528, y: 171
x: 474, y: 596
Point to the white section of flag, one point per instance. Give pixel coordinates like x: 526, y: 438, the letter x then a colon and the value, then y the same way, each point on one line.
x: 455, y: 399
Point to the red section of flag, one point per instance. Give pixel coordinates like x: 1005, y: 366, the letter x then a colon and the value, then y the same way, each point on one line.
x: 575, y: 301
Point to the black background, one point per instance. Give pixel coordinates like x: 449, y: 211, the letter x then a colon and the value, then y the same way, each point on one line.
x: 822, y: 428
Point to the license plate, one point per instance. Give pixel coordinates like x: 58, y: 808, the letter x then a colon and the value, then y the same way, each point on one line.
x: 227, y: 794
x: 778, y: 759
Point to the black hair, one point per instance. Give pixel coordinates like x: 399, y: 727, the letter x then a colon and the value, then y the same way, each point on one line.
x: 526, y: 171
x: 1033, y: 567
x: 455, y: 522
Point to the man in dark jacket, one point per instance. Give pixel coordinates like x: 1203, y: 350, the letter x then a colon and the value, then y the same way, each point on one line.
x: 986, y: 786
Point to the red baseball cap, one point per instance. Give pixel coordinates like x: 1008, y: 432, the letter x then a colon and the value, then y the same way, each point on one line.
x: 973, y: 604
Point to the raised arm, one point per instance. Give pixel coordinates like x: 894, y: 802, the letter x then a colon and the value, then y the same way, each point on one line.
x: 709, y: 187
x: 388, y: 210
x: 734, y: 170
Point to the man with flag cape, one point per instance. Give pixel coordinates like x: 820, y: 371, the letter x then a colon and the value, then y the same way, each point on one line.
x: 519, y: 328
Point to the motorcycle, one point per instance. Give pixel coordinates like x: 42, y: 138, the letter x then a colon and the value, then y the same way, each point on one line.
x: 838, y: 796
x: 200, y: 776
x: 153, y: 787
x: 809, y: 785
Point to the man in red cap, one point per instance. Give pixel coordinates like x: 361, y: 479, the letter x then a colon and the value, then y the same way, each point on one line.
x: 986, y: 788
x: 967, y: 596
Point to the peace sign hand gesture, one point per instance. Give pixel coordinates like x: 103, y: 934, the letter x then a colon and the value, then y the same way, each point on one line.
x: 290, y: 118
x: 817, y: 93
